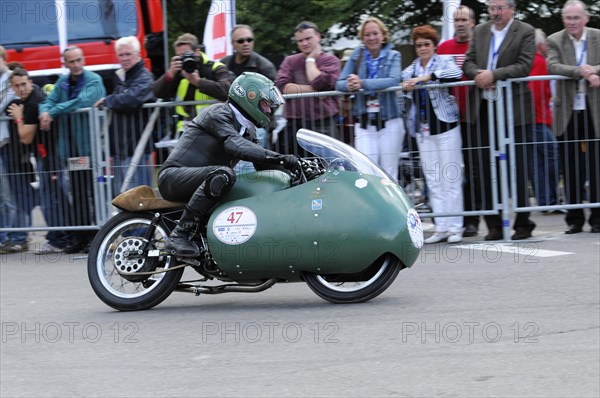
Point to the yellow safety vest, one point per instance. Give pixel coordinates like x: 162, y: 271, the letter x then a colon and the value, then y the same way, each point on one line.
x: 182, y: 90
x: 48, y: 88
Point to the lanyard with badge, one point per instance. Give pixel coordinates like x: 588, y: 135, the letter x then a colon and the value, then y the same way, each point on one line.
x: 579, y: 102
x: 495, y: 51
x: 490, y: 94
x: 372, y: 73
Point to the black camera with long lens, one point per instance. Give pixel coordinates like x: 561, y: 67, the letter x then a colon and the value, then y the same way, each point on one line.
x: 189, y: 62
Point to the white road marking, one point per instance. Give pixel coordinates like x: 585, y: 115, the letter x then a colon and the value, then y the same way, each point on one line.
x: 529, y: 249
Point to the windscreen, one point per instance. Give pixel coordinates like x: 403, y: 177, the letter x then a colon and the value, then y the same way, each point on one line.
x: 34, y: 23
x: 337, y: 154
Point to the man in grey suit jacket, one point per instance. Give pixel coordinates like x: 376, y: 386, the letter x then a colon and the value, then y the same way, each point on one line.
x: 575, y: 52
x: 500, y: 49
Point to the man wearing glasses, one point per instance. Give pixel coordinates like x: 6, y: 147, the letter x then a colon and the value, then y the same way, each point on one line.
x: 311, y: 70
x: 500, y: 49
x: 574, y: 52
x: 207, y: 80
x: 244, y: 59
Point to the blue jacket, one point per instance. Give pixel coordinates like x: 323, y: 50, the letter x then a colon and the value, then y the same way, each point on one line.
x: 133, y: 89
x: 60, y: 106
x: 388, y: 76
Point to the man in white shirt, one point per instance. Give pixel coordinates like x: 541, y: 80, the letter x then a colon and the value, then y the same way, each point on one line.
x: 575, y: 52
x: 500, y: 49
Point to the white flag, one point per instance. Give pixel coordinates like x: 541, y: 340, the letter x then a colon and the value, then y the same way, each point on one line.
x: 217, y: 30
x: 450, y: 7
x: 61, y: 24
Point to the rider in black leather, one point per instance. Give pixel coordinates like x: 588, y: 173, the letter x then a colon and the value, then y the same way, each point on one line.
x: 199, y: 170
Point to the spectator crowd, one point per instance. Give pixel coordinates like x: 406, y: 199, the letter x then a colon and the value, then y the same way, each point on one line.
x: 556, y: 127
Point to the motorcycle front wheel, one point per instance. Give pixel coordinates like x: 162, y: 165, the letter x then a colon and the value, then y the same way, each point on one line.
x: 119, y: 247
x: 356, y: 288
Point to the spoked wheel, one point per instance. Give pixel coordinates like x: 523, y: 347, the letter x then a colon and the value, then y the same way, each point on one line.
x: 356, y: 288
x: 116, y: 256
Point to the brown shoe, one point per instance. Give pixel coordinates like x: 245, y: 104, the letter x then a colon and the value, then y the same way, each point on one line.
x: 494, y: 234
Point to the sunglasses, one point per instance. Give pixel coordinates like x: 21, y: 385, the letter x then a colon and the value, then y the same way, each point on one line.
x: 247, y: 39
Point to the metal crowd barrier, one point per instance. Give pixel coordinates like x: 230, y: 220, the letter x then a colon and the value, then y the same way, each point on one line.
x: 89, y: 182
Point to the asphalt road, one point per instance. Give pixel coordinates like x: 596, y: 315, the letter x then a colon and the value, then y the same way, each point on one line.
x: 470, y: 320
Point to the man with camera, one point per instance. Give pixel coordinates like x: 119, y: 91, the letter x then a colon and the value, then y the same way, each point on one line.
x: 192, y: 77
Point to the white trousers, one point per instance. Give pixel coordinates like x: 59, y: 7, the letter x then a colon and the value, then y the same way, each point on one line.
x: 442, y: 165
x: 383, y: 146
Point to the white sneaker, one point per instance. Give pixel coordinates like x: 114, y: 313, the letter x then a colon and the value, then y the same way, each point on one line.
x: 455, y: 237
x: 437, y: 238
x: 48, y: 249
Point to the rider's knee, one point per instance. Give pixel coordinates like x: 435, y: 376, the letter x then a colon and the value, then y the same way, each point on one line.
x: 219, y: 183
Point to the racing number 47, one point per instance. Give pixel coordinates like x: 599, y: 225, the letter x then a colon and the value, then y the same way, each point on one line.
x: 235, y: 216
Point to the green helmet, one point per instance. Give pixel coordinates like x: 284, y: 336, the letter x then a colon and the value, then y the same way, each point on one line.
x: 256, y: 96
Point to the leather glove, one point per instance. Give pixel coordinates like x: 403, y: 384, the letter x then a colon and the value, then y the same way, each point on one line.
x: 289, y: 162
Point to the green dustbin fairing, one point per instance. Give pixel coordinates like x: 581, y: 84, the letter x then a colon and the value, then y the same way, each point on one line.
x: 340, y: 222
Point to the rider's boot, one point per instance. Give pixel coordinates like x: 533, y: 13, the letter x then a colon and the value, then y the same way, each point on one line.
x: 181, y: 241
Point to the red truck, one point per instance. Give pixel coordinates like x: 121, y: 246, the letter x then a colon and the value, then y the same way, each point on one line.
x: 29, y: 32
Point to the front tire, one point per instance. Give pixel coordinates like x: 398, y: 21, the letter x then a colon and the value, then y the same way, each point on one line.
x: 109, y: 253
x: 347, y: 289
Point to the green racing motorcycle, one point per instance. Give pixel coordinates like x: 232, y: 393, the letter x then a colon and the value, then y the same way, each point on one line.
x: 340, y: 224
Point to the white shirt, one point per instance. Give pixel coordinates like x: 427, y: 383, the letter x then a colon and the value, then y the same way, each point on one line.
x: 580, y: 59
x: 579, y: 45
x: 498, y: 37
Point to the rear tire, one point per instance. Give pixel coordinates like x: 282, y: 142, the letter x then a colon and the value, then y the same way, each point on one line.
x: 110, y: 250
x: 347, y: 289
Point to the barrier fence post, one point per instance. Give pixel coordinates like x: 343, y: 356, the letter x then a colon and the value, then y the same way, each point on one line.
x: 504, y: 122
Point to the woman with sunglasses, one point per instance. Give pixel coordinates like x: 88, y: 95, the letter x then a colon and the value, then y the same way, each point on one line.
x: 435, y: 122
x: 375, y: 66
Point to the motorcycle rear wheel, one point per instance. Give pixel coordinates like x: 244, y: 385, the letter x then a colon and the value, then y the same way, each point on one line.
x: 346, y: 289
x: 124, y: 233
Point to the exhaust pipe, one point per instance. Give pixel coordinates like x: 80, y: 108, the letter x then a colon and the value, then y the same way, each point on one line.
x: 229, y: 288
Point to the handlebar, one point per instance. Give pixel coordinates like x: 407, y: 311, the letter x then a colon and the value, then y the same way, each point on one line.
x: 309, y: 169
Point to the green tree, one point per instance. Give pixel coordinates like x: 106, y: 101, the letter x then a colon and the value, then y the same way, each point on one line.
x: 186, y: 16
x: 274, y: 21
x: 399, y: 15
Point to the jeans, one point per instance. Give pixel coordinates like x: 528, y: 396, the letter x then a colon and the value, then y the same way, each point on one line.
x: 54, y: 201
x: 7, y: 206
x: 544, y: 165
x: 24, y: 197
x: 14, y: 203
